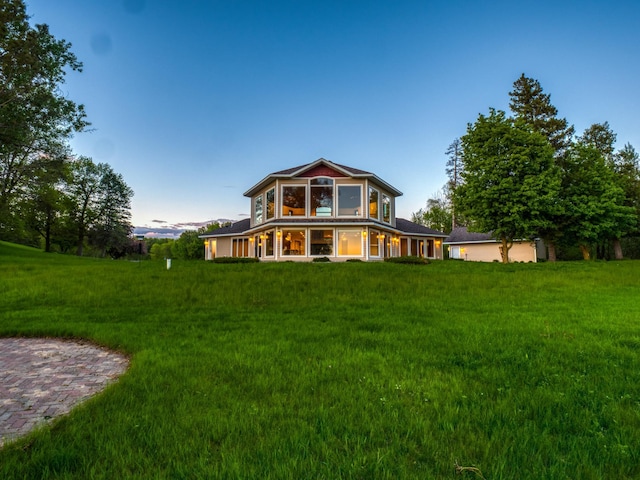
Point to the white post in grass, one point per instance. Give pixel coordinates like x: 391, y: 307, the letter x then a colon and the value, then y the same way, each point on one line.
x: 168, y: 263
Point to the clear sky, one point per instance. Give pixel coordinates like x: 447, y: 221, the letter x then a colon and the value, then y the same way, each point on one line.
x: 194, y: 102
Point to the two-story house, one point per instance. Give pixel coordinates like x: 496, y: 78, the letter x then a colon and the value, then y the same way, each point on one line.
x: 323, y: 209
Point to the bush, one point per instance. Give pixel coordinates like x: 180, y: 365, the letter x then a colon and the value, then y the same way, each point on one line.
x: 321, y: 259
x: 408, y: 260
x: 236, y: 260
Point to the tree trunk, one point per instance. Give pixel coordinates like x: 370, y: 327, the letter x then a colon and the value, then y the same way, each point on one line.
x: 586, y: 252
x: 47, y: 232
x: 617, y: 249
x: 504, y: 249
x: 552, y: 251
x: 80, y: 249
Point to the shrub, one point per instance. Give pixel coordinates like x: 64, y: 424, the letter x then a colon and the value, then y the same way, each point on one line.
x: 321, y: 259
x: 235, y: 260
x: 408, y: 260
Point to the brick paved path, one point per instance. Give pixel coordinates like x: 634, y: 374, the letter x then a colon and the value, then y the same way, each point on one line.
x: 43, y: 378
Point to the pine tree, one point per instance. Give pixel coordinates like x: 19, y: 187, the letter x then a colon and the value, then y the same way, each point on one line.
x: 529, y: 103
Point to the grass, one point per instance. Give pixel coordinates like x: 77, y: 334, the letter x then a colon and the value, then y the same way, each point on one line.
x: 327, y: 370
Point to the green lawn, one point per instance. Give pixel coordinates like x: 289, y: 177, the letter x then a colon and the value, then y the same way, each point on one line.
x: 329, y: 371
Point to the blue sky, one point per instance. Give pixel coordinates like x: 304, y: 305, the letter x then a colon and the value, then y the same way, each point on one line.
x: 194, y: 102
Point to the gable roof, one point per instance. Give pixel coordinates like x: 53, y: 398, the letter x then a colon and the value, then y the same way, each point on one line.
x: 462, y: 235
x: 237, y: 228
x: 301, y: 169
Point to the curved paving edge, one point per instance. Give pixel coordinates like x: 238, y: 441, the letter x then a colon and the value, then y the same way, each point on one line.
x: 44, y: 378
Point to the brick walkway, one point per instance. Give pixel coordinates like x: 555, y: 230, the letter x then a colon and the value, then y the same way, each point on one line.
x: 43, y: 378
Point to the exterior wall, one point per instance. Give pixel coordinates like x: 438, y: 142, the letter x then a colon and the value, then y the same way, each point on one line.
x: 490, y: 252
x: 303, y: 244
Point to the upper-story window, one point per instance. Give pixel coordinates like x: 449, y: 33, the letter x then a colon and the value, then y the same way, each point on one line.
x: 386, y: 209
x: 257, y: 209
x: 271, y: 203
x: 349, y: 200
x: 373, y: 203
x: 294, y: 199
x: 321, y: 197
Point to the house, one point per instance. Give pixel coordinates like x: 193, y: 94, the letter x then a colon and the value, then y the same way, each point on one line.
x: 323, y: 209
x: 482, y: 247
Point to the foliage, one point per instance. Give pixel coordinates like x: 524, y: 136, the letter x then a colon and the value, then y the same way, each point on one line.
x: 321, y: 259
x: 438, y: 214
x: 408, y: 260
x: 236, y: 260
x: 386, y: 377
x: 98, y: 206
x: 160, y: 249
x: 594, y: 202
x: 36, y: 118
x: 510, y: 179
x: 531, y: 105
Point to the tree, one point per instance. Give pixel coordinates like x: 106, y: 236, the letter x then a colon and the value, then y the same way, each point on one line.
x: 530, y: 104
x: 111, y: 230
x: 98, y: 205
x: 44, y: 198
x: 602, y: 138
x: 510, y: 180
x: 594, y: 201
x: 454, y: 173
x: 82, y: 195
x: 35, y: 116
x: 437, y: 214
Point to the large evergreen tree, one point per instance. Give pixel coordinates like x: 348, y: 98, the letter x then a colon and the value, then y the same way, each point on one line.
x: 530, y: 103
x: 454, y: 170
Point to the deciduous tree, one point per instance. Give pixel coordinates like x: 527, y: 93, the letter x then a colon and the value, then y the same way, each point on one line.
x: 510, y: 180
x: 594, y: 201
x: 35, y: 115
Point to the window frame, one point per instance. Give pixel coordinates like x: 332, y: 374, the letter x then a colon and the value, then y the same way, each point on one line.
x: 258, y: 218
x: 358, y: 210
x: 332, y: 186
x: 375, y: 216
x: 386, y: 216
x: 349, y: 231
x: 332, y: 245
x: 282, y: 200
x: 270, y: 213
x: 303, y: 242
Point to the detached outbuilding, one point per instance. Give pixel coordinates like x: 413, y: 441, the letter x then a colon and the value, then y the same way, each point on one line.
x: 482, y: 247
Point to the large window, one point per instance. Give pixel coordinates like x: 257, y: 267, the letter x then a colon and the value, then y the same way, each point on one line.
x: 268, y: 244
x: 349, y: 200
x: 321, y: 197
x: 386, y: 209
x: 293, y: 242
x: 240, y: 247
x: 321, y: 242
x: 349, y: 242
x: 293, y: 200
x: 271, y: 203
x: 373, y: 203
x: 257, y: 209
x: 374, y: 243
